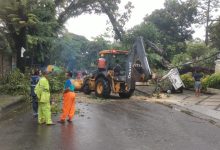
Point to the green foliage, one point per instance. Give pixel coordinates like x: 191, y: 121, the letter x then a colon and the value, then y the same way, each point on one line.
x: 4, y: 43
x: 213, y: 81
x: 168, y: 28
x: 30, y: 24
x: 42, y: 30
x: 56, y: 82
x: 154, y: 60
x: 207, y: 10
x: 149, y: 32
x: 118, y: 20
x: 35, y: 24
x: 66, y: 49
x: 146, y: 30
x: 165, y: 85
x: 207, y: 14
x: 215, y: 34
x: 196, y: 49
x: 180, y: 59
x: 187, y: 80
x: 15, y: 83
x: 173, y: 24
x: 205, y: 82
x: 76, y: 52
x: 175, y: 18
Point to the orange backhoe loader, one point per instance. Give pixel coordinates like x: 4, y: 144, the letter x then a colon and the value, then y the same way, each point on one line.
x: 118, y: 71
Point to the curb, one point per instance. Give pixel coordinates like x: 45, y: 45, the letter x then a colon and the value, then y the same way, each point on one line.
x: 13, y: 106
x: 191, y: 112
x: 200, y: 112
x: 197, y: 114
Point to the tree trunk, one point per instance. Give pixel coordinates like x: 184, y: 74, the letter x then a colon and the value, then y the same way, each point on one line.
x: 207, y: 24
x: 20, y: 42
x: 116, y: 27
x: 20, y: 60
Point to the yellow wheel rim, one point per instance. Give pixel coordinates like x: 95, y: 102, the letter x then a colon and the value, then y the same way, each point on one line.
x: 99, y: 88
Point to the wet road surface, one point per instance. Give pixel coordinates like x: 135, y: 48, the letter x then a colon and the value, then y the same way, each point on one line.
x: 112, y: 125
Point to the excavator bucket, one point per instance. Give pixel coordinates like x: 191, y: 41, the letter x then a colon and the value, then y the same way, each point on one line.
x: 137, y: 68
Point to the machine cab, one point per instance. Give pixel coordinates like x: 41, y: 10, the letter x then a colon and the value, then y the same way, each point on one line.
x: 113, y: 60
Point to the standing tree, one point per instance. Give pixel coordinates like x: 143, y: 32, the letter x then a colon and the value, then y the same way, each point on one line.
x: 117, y: 20
x: 14, y: 18
x: 175, y: 20
x: 29, y: 24
x: 35, y: 23
x: 215, y: 34
x: 173, y: 24
x: 72, y: 8
x: 207, y: 8
x: 67, y: 51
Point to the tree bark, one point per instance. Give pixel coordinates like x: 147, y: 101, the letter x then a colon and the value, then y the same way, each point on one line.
x: 116, y: 27
x: 207, y: 24
x: 20, y: 42
x: 75, y: 7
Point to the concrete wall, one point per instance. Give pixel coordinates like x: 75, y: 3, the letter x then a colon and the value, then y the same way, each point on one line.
x: 217, y: 66
x: 7, y: 63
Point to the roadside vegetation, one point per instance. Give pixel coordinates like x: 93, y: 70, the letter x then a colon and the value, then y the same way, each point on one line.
x: 39, y: 27
x: 208, y: 81
x: 15, y: 83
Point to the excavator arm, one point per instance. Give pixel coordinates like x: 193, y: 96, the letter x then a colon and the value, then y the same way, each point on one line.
x: 137, y: 66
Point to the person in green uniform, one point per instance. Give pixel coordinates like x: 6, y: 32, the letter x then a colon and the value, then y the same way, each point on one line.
x: 42, y: 91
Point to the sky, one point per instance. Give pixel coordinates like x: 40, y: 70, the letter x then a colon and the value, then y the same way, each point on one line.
x: 91, y: 25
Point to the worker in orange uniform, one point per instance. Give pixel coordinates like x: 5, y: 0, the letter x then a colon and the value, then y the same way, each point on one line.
x: 101, y: 64
x: 68, y: 100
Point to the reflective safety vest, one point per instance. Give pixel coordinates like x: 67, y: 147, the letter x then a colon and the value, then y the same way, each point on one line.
x: 42, y: 90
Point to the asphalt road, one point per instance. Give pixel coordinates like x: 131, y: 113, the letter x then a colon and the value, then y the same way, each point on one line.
x: 112, y: 125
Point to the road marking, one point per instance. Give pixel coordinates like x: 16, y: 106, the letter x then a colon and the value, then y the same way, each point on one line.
x: 202, y: 100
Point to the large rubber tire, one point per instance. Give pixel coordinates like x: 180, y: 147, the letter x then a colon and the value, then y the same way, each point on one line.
x: 86, y: 89
x: 102, y: 88
x: 127, y: 94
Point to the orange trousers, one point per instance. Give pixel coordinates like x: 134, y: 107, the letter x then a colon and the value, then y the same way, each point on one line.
x: 68, y: 105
